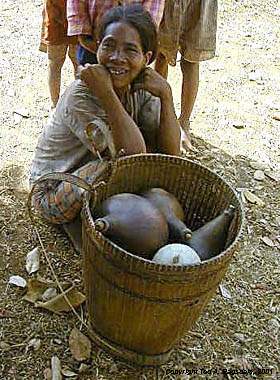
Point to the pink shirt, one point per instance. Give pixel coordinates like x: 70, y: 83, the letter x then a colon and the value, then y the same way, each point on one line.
x: 83, y: 14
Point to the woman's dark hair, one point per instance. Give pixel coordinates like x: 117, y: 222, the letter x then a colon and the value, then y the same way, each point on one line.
x: 136, y: 16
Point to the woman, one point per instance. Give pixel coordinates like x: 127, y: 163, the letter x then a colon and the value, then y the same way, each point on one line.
x: 117, y: 105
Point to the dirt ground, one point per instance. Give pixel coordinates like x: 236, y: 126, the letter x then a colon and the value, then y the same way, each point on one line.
x: 235, y: 122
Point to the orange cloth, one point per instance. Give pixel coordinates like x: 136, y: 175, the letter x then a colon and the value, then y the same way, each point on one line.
x: 54, y: 25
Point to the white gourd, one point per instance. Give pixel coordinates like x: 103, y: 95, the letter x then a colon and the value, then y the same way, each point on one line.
x: 176, y: 254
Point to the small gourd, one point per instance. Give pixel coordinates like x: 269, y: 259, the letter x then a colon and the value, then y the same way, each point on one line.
x: 210, y: 240
x: 176, y: 254
x: 168, y: 204
x: 133, y: 223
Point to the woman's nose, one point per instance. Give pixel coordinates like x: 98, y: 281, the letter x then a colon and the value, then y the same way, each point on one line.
x: 118, y: 55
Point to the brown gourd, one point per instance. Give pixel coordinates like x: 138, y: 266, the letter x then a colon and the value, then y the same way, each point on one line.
x: 133, y: 223
x: 168, y: 204
x: 210, y: 240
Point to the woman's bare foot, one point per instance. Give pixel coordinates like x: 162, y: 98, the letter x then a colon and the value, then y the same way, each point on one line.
x: 186, y: 143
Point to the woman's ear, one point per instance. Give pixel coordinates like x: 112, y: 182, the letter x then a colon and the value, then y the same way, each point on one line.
x: 148, y: 56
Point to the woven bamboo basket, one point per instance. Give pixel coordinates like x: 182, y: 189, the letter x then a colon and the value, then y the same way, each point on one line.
x: 138, y: 309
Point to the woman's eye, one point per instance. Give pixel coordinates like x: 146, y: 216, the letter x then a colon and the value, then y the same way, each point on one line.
x: 132, y: 50
x: 107, y: 45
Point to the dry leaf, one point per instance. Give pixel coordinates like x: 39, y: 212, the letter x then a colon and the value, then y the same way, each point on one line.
x: 276, y: 116
x: 56, y: 368
x: 33, y: 343
x: 18, y: 281
x: 259, y: 175
x: 22, y: 112
x: 58, y: 304
x: 32, y: 261
x: 84, y: 368
x: 259, y: 165
x: 67, y: 373
x: 240, y: 337
x: 80, y: 345
x: 5, y: 313
x: 47, y: 374
x: 37, y: 287
x: 49, y: 293
x: 268, y: 241
x: 238, y: 125
x: 252, y: 198
x: 225, y: 292
x: 255, y: 76
x: 275, y: 175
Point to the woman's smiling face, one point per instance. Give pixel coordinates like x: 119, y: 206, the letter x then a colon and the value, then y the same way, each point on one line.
x: 120, y: 51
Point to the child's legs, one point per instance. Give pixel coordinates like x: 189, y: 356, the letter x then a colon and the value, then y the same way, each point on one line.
x: 190, y: 72
x: 61, y: 203
x: 72, y: 54
x: 56, y: 59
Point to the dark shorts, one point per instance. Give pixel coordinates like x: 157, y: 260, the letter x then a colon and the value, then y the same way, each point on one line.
x: 188, y: 26
x: 85, y: 56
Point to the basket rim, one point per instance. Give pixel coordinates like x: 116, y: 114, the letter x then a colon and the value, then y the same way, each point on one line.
x: 149, y: 264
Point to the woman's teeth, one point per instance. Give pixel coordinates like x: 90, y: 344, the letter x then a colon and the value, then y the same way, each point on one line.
x: 117, y: 71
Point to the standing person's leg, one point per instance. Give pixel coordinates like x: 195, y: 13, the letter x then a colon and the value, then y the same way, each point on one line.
x: 197, y: 43
x: 190, y: 72
x: 72, y: 54
x: 56, y: 59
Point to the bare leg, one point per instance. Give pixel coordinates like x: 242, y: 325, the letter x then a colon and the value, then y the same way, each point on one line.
x: 56, y: 57
x: 72, y: 51
x: 190, y: 72
x: 161, y: 65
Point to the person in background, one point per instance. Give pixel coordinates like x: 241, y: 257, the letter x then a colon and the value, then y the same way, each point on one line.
x: 56, y: 43
x: 188, y: 26
x: 118, y: 105
x: 84, y: 16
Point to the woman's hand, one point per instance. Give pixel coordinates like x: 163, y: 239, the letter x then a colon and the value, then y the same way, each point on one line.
x: 152, y: 82
x: 97, y: 78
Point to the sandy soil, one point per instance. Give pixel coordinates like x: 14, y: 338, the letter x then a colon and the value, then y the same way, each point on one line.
x: 235, y: 121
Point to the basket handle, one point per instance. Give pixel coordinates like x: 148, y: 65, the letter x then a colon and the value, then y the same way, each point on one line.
x: 70, y: 178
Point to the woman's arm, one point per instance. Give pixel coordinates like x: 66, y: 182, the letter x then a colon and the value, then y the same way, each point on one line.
x: 126, y: 135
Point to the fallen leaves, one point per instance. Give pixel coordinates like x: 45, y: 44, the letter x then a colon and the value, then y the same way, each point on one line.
x: 252, y: 198
x: 49, y: 293
x: 274, y: 175
x: 259, y: 165
x: 56, y: 368
x: 68, y: 373
x: 267, y: 241
x: 225, y: 292
x: 34, y: 343
x: 80, y: 345
x: 58, y: 304
x: 5, y: 313
x: 17, y: 281
x: 259, y: 175
x: 276, y: 116
x: 32, y: 261
x: 36, y: 288
x: 44, y: 294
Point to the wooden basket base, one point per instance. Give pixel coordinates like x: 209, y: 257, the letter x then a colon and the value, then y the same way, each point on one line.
x: 127, y: 354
